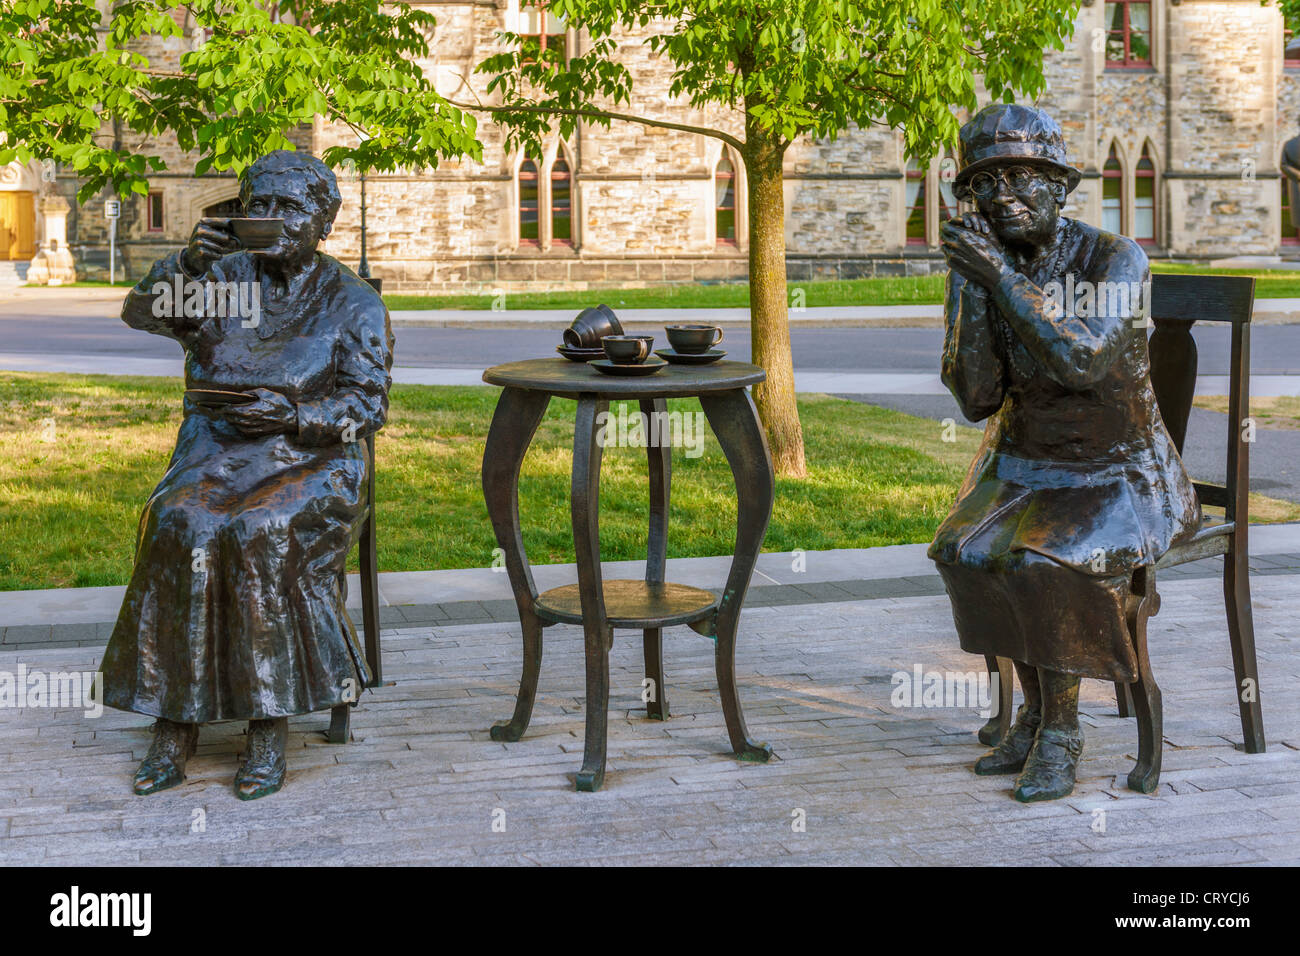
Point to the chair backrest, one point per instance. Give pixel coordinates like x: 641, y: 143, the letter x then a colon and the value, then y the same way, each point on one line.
x: 1179, y: 301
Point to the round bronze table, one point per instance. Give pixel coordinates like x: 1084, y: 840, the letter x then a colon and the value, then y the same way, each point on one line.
x: 649, y: 605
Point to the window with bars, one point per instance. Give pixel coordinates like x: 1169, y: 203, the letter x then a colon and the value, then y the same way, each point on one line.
x: 1128, y: 34
x: 915, y: 198
x: 561, y: 202
x: 542, y: 30
x: 528, y: 208
x: 947, y: 198
x: 546, y: 202
x: 1112, y: 194
x: 1144, y: 199
x: 155, y: 219
x: 724, y: 182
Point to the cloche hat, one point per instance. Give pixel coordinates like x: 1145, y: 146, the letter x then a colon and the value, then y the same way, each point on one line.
x: 1007, y: 132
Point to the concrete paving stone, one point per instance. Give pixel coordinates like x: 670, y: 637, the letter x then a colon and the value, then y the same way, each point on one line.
x: 1190, y: 853
x: 73, y: 633
x: 816, y: 687
x: 26, y: 634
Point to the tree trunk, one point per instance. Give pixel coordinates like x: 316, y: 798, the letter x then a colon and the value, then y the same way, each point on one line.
x: 768, y: 314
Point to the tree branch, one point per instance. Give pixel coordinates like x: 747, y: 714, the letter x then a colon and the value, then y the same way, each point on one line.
x: 727, y: 138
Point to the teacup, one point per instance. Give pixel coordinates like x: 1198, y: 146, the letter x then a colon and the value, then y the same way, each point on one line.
x: 257, y: 234
x: 591, y: 326
x: 627, y: 349
x: 693, y: 339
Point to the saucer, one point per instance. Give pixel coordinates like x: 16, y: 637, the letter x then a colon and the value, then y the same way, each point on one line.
x: 690, y: 358
x: 648, y: 367
x: 579, y: 355
x: 214, y: 397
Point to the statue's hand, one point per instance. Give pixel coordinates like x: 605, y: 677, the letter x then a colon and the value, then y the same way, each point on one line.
x: 210, y: 240
x: 972, y: 250
x: 271, y: 414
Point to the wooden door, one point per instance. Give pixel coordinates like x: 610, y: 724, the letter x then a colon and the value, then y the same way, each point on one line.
x: 17, y: 225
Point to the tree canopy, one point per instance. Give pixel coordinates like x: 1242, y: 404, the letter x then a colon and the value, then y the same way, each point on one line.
x: 814, y: 67
x: 249, y: 72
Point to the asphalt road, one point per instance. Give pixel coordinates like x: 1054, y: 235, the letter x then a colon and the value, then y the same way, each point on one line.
x: 1275, y: 349
x: 92, y: 328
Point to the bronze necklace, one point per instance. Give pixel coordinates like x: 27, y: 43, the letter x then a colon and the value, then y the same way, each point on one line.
x: 1016, y: 352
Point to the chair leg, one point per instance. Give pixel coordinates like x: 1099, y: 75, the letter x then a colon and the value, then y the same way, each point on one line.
x: 1241, y: 633
x: 1143, y: 603
x: 340, y: 722
x: 370, y: 601
x: 1002, y: 676
x: 1124, y: 699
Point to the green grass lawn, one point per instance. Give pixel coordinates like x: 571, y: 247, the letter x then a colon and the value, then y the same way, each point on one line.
x: 69, y: 507
x: 1279, y: 411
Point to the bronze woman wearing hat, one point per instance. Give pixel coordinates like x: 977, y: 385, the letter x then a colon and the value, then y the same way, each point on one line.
x: 1077, y: 483
x: 235, y: 609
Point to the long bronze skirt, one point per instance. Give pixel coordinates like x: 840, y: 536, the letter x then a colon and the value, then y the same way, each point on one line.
x: 1034, y: 610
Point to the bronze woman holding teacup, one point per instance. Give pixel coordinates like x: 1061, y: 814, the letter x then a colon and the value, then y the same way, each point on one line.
x: 235, y: 608
x: 1077, y: 485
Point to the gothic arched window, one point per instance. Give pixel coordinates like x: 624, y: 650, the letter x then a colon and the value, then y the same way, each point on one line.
x: 1144, y: 199
x: 724, y: 197
x: 528, y: 207
x: 1112, y: 194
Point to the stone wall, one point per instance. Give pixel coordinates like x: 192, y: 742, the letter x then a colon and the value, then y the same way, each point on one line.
x: 643, y: 211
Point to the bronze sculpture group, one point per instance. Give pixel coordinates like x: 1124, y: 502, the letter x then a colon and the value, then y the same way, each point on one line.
x: 235, y: 609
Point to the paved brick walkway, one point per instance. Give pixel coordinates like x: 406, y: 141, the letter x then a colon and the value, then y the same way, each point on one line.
x: 422, y: 782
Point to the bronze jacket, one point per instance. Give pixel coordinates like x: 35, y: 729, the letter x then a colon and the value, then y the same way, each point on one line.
x: 1076, y: 463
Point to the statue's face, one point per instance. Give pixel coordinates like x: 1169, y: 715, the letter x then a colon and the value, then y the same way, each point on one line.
x: 283, y: 195
x: 1022, y: 205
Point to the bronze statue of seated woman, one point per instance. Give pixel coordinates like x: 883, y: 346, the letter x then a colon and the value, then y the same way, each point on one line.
x: 235, y: 608
x: 1077, y: 484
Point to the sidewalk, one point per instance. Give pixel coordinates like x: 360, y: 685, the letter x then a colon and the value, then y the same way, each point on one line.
x: 84, y: 616
x: 876, y: 783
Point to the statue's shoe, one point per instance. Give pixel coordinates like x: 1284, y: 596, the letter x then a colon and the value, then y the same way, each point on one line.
x: 1051, y: 765
x: 262, y: 772
x: 164, y: 765
x: 1010, y: 753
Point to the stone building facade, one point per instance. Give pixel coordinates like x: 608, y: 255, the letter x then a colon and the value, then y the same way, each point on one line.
x: 1175, y: 110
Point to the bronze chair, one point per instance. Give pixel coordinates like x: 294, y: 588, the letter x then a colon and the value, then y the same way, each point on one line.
x: 340, y: 716
x: 1177, y: 303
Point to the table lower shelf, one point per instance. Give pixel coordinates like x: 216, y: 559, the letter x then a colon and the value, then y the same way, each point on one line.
x: 631, y: 604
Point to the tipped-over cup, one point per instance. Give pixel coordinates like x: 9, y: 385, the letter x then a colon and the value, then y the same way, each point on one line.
x: 591, y: 326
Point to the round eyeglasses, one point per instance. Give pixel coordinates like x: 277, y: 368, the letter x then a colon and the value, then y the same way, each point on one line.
x: 1018, y: 178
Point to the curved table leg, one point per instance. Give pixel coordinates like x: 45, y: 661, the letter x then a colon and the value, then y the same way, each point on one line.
x: 735, y: 422
x: 661, y: 471
x: 597, y: 634
x: 518, y: 413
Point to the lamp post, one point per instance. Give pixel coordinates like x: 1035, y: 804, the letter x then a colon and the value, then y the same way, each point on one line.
x: 363, y: 268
